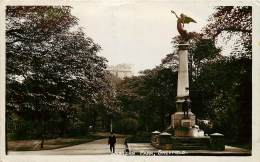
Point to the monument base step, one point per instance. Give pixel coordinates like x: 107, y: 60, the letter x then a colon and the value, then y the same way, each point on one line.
x: 190, y: 143
x: 190, y: 148
x: 185, y: 143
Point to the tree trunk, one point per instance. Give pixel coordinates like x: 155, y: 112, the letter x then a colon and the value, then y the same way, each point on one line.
x: 63, y: 124
x: 43, y: 128
x: 42, y: 134
x: 42, y: 141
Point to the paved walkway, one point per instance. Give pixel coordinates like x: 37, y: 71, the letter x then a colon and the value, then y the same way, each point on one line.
x: 97, y: 147
x: 100, y: 147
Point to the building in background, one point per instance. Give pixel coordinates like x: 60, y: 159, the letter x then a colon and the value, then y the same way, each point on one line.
x: 121, y: 70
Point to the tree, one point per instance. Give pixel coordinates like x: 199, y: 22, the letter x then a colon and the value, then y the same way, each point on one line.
x: 226, y: 99
x: 154, y: 91
x: 227, y: 82
x: 228, y: 21
x: 53, y: 62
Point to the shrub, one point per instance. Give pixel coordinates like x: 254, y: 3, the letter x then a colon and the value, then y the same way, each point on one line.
x: 126, y: 125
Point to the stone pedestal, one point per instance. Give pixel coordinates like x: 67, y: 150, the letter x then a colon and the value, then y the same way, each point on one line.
x: 182, y: 126
x: 191, y: 143
x: 178, y: 120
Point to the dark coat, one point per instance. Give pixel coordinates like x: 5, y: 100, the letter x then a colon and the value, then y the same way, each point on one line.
x: 112, y: 140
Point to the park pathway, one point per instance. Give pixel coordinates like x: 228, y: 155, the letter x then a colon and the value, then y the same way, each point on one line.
x: 97, y: 147
x: 100, y: 147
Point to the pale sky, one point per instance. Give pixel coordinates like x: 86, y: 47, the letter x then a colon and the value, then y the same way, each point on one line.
x: 137, y: 33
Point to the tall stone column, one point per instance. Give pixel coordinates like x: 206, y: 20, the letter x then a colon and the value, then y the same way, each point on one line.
x: 183, y: 76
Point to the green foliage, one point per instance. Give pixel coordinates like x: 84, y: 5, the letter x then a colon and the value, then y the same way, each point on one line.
x: 228, y: 21
x: 204, y: 49
x: 223, y: 85
x: 126, y: 125
x: 51, y: 65
x: 226, y: 87
x: 140, y: 137
x: 153, y: 91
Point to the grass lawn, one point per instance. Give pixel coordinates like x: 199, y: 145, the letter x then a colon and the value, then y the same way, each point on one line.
x: 34, y: 145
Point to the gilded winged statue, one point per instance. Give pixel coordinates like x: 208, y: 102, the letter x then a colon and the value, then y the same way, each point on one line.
x: 183, y: 19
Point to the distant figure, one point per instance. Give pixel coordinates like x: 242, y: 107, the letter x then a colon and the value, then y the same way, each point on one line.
x: 126, y: 147
x: 112, y: 142
x: 185, y: 108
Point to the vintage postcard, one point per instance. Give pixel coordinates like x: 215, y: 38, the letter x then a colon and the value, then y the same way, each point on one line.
x: 129, y: 80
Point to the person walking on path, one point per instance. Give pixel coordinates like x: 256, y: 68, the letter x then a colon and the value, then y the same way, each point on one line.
x: 112, y: 142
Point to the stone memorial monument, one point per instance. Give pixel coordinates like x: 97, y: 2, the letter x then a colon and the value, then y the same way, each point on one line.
x: 183, y: 125
x: 184, y: 134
